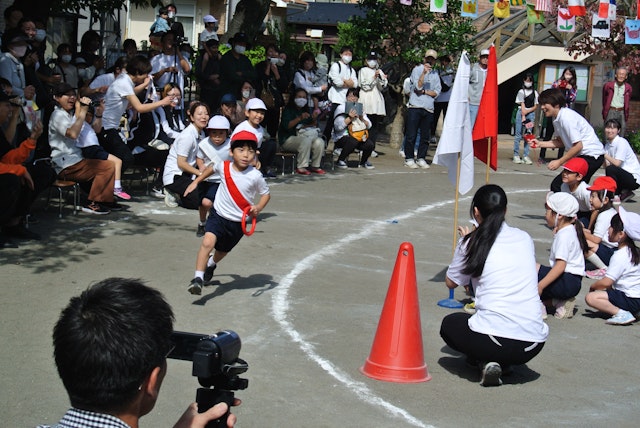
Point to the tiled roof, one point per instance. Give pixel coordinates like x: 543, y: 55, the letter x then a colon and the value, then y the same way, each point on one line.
x: 325, y: 13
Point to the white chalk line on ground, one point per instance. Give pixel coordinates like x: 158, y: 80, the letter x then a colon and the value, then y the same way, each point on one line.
x: 280, y: 309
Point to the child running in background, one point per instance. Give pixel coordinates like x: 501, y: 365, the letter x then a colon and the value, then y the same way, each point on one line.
x: 618, y: 293
x: 572, y: 182
x: 561, y: 281
x: 239, y: 184
x: 212, y: 150
x: 88, y: 143
x: 600, y: 248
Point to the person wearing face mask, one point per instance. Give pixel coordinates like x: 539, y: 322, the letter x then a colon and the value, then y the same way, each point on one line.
x: 372, y: 81
x: 235, y: 67
x: 299, y: 134
x: 527, y: 102
x: 210, y: 31
x: 14, y: 48
x: 89, y: 44
x: 272, y: 79
x: 67, y: 71
x: 341, y: 77
x: 170, y: 65
x: 425, y: 87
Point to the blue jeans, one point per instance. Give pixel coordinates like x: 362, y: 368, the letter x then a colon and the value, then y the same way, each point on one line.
x: 518, y: 137
x: 417, y: 119
x: 473, y: 114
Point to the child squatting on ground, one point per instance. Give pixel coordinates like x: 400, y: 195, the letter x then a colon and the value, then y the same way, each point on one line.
x: 618, y: 293
x: 561, y: 281
x: 240, y: 183
x: 600, y: 248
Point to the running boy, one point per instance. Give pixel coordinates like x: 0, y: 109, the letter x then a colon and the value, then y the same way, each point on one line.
x: 212, y: 150
x: 239, y: 184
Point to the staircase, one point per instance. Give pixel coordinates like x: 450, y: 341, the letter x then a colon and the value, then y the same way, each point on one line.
x: 520, y: 45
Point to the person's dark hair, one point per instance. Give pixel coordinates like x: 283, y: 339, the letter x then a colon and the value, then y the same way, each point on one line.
x: 108, y: 340
x: 129, y: 43
x: 9, y: 10
x: 292, y: 99
x: 120, y: 63
x: 582, y: 239
x: 491, y: 202
x: 61, y: 47
x: 305, y: 56
x: 613, y: 123
x: 553, y: 96
x: 527, y: 76
x: 601, y: 195
x: 353, y: 91
x: 271, y: 45
x: 168, y: 33
x: 346, y: 48
x: 87, y: 39
x: 573, y: 80
x: 138, y: 65
x: 618, y: 226
x: 163, y: 11
x: 194, y: 105
x: 244, y: 143
x: 9, y: 35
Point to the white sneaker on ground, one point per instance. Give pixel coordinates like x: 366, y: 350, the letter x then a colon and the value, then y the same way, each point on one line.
x: 491, y: 374
x: 401, y: 153
x: 621, y: 318
x: 410, y: 163
x: 527, y: 160
x: 342, y: 164
x: 423, y: 164
x: 374, y: 154
x: 170, y: 199
x: 157, y: 193
x: 336, y: 152
x: 516, y: 159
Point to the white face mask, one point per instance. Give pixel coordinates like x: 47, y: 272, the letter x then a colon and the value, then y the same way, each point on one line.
x: 372, y: 63
x: 239, y: 49
x: 19, y: 51
x: 246, y: 94
x: 280, y: 62
x: 274, y: 60
x: 171, y: 14
x: 300, y: 102
x: 528, y: 84
x: 40, y: 35
x: 66, y: 58
x: 346, y: 59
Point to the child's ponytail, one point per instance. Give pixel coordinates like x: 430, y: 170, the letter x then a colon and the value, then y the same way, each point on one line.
x: 581, y: 238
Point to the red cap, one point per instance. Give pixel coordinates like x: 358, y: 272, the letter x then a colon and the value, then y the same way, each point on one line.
x: 244, y: 136
x: 604, y: 183
x: 578, y: 165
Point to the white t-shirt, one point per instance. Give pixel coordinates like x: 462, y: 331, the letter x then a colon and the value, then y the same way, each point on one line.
x: 601, y: 228
x: 523, y: 93
x: 507, y: 301
x: 249, y: 182
x: 207, y: 35
x: 87, y: 136
x: 625, y: 275
x: 64, y: 152
x: 338, y: 72
x: 115, y: 101
x: 162, y: 61
x: 621, y: 150
x: 571, y: 127
x: 581, y: 194
x: 185, y: 145
x: 566, y: 247
x: 102, y: 80
x: 210, y: 153
x: 246, y: 126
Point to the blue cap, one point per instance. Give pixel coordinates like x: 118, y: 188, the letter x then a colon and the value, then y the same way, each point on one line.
x: 228, y: 99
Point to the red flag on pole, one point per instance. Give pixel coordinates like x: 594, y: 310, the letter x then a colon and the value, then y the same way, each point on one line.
x: 486, y: 126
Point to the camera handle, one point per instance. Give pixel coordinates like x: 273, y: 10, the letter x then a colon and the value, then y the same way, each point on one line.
x: 208, y: 397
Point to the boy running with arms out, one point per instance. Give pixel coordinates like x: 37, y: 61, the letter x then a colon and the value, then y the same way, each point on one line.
x: 223, y: 230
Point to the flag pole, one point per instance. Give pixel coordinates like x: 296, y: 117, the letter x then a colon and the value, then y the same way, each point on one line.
x: 486, y: 179
x: 455, y: 207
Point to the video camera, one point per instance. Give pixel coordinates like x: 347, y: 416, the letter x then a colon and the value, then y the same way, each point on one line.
x: 215, y: 364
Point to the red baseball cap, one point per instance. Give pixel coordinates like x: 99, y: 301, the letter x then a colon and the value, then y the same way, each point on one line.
x: 578, y: 165
x: 244, y: 136
x: 604, y: 183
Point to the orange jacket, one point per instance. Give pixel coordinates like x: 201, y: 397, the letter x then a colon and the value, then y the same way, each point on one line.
x: 11, y: 162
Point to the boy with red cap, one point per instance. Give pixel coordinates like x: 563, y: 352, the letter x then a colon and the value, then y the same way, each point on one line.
x: 573, y: 182
x: 239, y: 184
x: 600, y: 247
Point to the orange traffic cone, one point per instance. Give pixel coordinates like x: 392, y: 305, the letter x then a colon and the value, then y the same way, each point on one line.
x: 397, y: 354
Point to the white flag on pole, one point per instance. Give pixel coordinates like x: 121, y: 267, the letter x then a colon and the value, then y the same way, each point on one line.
x: 456, y: 131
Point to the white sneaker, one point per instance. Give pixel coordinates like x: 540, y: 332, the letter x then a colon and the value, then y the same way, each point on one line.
x: 170, y: 199
x: 516, y: 159
x: 423, y: 164
x: 527, y: 160
x: 336, y: 152
x: 401, y: 153
x: 157, y: 193
x: 342, y: 164
x: 374, y: 154
x: 410, y: 163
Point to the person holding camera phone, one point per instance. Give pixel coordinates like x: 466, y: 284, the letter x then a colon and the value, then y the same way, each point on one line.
x: 170, y: 65
x: 110, y: 348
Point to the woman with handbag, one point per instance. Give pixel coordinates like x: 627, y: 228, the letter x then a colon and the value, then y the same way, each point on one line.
x: 372, y: 82
x: 351, y: 131
x: 299, y: 134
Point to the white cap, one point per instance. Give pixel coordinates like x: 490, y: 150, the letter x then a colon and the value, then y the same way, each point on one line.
x: 219, y: 122
x: 255, y: 104
x: 484, y: 52
x: 630, y: 223
x: 563, y: 203
x: 209, y: 18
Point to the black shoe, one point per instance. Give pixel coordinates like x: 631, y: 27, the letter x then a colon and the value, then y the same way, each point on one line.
x: 20, y: 232
x: 195, y: 286
x: 269, y: 174
x: 208, y: 272
x: 113, y: 206
x: 6, y: 242
x: 200, y: 231
x: 95, y: 208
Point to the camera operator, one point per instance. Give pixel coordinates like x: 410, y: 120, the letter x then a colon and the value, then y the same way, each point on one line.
x: 110, y: 346
x: 170, y: 65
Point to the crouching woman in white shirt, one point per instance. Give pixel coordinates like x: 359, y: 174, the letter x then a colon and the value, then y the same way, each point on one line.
x: 499, y: 260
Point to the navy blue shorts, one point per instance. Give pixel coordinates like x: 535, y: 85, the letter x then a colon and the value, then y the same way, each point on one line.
x: 208, y: 189
x: 605, y: 253
x: 94, y: 152
x: 565, y: 287
x: 228, y: 233
x: 622, y: 301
